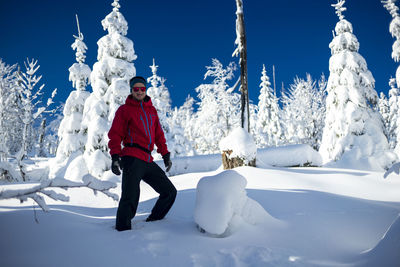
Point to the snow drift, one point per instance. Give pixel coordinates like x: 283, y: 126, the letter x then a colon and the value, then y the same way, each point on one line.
x: 222, y: 202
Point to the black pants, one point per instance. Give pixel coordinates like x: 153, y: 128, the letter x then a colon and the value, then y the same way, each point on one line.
x: 135, y: 170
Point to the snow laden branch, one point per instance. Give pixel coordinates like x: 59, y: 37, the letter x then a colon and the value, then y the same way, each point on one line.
x: 390, y: 5
x: 239, y: 29
x: 37, y: 191
x: 395, y: 168
x: 340, y: 8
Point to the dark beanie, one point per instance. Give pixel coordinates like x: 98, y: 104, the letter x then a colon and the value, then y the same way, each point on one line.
x: 137, y: 79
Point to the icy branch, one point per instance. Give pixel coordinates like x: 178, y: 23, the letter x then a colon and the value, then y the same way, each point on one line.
x: 23, y: 191
x: 395, y: 168
x: 340, y: 8
x: 391, y: 7
x: 116, y: 5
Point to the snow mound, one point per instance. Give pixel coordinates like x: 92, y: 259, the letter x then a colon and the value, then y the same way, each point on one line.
x: 354, y: 159
x: 222, y: 203
x: 241, y: 143
x: 287, y: 156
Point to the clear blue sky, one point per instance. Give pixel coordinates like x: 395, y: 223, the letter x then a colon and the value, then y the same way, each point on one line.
x: 183, y: 37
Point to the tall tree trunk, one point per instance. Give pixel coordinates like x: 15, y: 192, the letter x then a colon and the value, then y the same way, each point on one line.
x: 245, y: 114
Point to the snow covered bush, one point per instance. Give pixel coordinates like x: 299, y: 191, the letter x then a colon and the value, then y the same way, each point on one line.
x: 353, y: 126
x: 222, y: 203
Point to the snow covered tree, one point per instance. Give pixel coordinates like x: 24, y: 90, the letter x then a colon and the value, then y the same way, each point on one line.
x: 110, y: 82
x: 179, y: 144
x: 393, y: 113
x: 159, y: 95
x: 32, y: 108
x: 9, y: 117
x: 304, y: 112
x: 394, y: 29
x: 353, y: 126
x: 187, y: 121
x: 162, y: 102
x: 268, y: 126
x: 253, y: 118
x: 71, y: 136
x: 383, y: 105
x: 218, y: 110
x: 51, y: 137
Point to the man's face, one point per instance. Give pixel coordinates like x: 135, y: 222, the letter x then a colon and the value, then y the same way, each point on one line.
x: 139, y: 94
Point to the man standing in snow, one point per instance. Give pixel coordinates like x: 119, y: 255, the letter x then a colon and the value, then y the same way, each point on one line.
x: 137, y: 126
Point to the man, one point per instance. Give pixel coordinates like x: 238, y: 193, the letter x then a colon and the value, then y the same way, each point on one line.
x: 137, y: 126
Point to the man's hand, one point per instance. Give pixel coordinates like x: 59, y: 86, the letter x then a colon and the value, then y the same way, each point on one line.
x: 167, y: 161
x: 116, y: 164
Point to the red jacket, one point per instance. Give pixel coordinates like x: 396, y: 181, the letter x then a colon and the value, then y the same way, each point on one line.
x: 136, y: 122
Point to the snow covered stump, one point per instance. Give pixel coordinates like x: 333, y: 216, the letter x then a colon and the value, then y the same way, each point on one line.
x: 238, y: 149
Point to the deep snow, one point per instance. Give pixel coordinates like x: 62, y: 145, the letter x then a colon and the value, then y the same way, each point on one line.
x: 316, y: 217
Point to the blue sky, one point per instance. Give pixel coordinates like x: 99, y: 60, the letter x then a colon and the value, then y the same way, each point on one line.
x: 183, y: 37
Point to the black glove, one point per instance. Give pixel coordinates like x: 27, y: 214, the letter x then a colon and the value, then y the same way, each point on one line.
x: 167, y: 161
x: 116, y: 164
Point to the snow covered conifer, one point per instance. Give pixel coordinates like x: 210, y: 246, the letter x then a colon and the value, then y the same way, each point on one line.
x: 383, y: 105
x: 269, y: 129
x: 179, y: 144
x: 393, y: 113
x: 110, y: 82
x: 10, y: 108
x: 188, y: 118
x: 159, y: 94
x: 394, y: 28
x: 353, y: 126
x: 160, y: 97
x: 303, y: 112
x: 71, y: 137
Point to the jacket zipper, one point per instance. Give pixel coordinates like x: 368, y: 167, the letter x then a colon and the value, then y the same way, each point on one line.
x: 148, y: 128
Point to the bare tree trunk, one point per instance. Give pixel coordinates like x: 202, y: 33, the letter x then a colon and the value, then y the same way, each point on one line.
x: 245, y: 114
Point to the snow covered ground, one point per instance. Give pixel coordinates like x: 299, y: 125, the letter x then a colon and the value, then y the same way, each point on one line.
x: 313, y: 217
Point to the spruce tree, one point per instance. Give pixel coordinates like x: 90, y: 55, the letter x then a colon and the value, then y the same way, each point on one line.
x: 110, y: 82
x: 394, y: 99
x: 303, y: 112
x: 268, y: 126
x: 353, y: 126
x: 383, y: 105
x: 71, y: 136
x: 159, y: 97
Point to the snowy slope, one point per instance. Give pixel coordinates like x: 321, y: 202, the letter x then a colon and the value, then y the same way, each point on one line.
x: 320, y: 217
